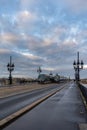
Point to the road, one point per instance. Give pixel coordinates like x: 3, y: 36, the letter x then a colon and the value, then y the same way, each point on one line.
x: 62, y: 111
x: 14, y: 103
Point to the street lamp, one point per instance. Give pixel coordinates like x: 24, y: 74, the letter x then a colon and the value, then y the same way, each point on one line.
x: 77, y: 67
x: 39, y: 70
x: 10, y: 67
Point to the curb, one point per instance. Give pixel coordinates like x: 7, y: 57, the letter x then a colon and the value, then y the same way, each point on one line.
x: 17, y: 114
x: 84, y: 101
x: 83, y: 98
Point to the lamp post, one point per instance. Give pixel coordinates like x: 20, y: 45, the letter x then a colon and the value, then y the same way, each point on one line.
x: 10, y: 67
x: 78, y: 65
x: 39, y: 70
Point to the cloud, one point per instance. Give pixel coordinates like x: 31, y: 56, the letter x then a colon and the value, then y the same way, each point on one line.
x: 70, y: 42
x: 4, y: 51
x: 43, y: 32
x: 85, y: 67
x: 25, y: 20
x: 25, y: 16
x: 26, y: 3
x: 77, y: 5
x: 8, y: 37
x: 18, y: 22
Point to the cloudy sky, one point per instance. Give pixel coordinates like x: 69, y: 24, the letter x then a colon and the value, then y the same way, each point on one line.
x: 46, y: 33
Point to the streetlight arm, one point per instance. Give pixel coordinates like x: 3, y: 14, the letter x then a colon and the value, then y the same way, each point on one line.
x: 82, y: 64
x: 74, y: 64
x: 8, y: 65
x: 77, y: 66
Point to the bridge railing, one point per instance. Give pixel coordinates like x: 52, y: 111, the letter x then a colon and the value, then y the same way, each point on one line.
x: 83, y: 89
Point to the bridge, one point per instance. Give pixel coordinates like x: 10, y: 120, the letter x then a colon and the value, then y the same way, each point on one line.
x: 58, y: 106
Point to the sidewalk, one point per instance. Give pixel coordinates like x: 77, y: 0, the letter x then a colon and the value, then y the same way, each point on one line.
x: 73, y: 109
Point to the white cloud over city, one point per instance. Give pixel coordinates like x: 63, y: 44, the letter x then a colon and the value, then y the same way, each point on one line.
x: 42, y: 33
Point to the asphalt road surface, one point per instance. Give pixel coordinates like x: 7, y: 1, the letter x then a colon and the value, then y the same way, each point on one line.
x: 14, y: 103
x: 62, y: 111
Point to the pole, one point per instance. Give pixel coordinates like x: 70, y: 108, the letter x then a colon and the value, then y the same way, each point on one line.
x: 10, y: 76
x: 78, y: 66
